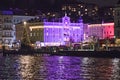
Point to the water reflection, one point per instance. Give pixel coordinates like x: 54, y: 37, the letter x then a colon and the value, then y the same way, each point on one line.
x: 37, y: 67
x: 100, y: 69
x: 116, y: 69
x: 32, y: 67
x: 26, y: 66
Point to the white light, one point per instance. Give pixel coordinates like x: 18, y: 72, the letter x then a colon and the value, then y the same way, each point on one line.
x: 61, y: 57
x: 25, y: 22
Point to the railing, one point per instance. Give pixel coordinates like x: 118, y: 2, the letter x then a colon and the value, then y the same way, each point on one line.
x: 7, y: 28
x: 7, y: 36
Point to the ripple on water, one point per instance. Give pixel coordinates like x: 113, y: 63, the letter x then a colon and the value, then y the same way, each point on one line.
x: 46, y: 67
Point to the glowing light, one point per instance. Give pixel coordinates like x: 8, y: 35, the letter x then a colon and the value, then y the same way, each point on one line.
x: 104, y: 30
x: 107, y: 24
x: 61, y: 57
x: 56, y: 33
x: 24, y: 22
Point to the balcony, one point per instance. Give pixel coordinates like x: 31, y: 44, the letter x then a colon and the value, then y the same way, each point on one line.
x: 7, y: 29
x: 7, y: 36
x: 7, y: 21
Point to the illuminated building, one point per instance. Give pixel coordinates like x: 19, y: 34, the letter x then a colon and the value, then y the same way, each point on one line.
x: 117, y: 20
x: 81, y: 9
x: 7, y: 27
x: 101, y: 31
x: 108, y: 30
x: 54, y: 33
x: 85, y: 10
x: 90, y: 13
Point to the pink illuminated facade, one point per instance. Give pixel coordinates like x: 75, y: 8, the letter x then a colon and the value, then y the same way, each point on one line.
x: 102, y: 31
x: 108, y: 30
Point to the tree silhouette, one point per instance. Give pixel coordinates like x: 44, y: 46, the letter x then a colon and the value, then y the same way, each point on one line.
x: 25, y: 43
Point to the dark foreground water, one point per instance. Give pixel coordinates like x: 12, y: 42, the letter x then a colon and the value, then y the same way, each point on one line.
x: 37, y: 67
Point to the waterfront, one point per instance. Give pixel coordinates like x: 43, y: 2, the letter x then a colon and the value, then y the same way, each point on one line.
x: 39, y: 67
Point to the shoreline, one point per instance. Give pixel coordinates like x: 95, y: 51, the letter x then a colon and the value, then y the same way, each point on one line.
x: 97, y: 54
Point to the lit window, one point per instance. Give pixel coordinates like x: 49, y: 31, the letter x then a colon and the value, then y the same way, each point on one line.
x: 110, y: 8
x: 81, y: 14
x: 47, y: 33
x: 63, y: 8
x: 85, y: 12
x: 69, y: 8
x: 53, y: 15
x: 85, y: 9
x: 65, y: 22
x: 48, y: 13
x: 108, y: 13
x: 93, y: 10
x: 78, y: 4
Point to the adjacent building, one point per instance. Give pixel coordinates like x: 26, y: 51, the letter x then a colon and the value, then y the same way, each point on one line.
x: 86, y: 11
x: 7, y: 27
x: 101, y: 31
x: 117, y: 20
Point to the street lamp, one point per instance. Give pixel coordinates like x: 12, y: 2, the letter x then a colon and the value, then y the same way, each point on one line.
x: 24, y: 23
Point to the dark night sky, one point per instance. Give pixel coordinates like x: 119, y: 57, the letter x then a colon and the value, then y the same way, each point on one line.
x: 48, y: 4
x: 102, y: 2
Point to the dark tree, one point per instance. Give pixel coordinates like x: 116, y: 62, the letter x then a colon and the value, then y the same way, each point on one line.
x: 25, y: 43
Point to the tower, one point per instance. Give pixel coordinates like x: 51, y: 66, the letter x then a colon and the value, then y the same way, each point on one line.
x: 66, y: 29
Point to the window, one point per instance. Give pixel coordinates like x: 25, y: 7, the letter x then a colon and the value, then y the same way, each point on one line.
x: 47, y: 33
x: 34, y: 34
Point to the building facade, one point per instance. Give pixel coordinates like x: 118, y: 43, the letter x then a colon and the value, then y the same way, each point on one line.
x: 117, y: 20
x: 7, y: 30
x: 7, y: 27
x: 101, y: 31
x: 86, y: 11
x: 55, y: 33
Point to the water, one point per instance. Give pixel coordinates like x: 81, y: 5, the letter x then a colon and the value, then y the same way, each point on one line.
x: 37, y: 67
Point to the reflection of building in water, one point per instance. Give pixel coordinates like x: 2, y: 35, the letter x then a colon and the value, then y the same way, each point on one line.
x: 116, y: 68
x: 25, y: 65
x: 102, y: 68
x: 32, y: 67
x: 54, y: 33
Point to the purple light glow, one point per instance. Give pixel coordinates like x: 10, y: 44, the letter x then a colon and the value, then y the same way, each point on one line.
x: 63, y: 32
